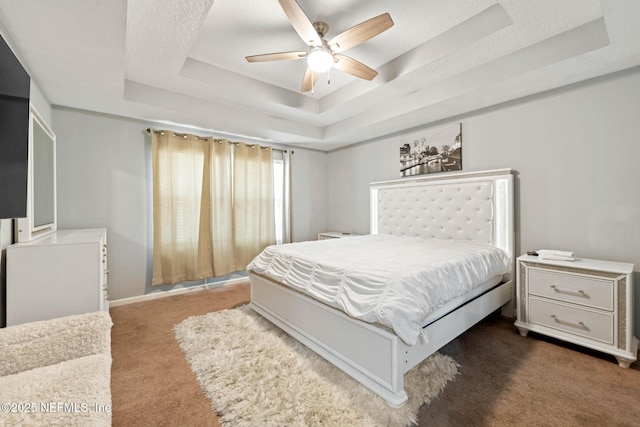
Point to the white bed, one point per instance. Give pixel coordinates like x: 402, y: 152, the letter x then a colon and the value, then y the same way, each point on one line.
x: 448, y: 212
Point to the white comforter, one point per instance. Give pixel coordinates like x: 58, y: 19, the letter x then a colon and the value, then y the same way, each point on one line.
x: 393, y: 281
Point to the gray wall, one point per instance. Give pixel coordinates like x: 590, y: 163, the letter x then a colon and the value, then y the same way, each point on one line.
x: 576, y: 153
x: 104, y: 180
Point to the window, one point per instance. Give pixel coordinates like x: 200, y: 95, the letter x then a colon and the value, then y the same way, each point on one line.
x: 215, y: 205
x: 278, y: 197
x: 282, y: 195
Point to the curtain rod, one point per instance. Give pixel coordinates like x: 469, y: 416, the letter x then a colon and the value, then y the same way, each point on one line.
x: 230, y: 142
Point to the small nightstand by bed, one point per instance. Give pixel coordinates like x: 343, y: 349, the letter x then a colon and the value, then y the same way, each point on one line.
x: 586, y: 302
x: 334, y: 235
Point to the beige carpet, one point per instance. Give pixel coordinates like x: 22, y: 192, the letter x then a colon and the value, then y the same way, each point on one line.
x: 505, y: 379
x: 255, y: 374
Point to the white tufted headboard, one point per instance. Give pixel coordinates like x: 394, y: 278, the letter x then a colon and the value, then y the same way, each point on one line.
x: 475, y: 206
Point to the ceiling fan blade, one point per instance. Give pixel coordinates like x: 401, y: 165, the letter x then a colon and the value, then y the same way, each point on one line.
x: 309, y: 80
x: 279, y: 56
x: 353, y: 67
x: 300, y: 22
x: 361, y: 33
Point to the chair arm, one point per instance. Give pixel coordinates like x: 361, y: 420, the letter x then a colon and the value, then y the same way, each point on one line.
x: 44, y: 343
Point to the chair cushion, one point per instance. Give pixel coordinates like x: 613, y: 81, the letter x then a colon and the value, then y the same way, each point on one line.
x: 75, y: 392
x: 47, y: 342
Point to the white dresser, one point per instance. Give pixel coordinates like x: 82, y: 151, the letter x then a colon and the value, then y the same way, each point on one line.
x: 58, y: 275
x: 585, y: 302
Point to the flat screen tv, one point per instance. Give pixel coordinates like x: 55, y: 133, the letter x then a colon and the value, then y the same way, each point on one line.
x: 15, y: 85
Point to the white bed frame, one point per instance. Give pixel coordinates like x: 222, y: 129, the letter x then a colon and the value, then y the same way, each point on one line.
x: 474, y: 206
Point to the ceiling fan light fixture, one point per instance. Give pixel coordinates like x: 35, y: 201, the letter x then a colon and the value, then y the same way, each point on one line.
x: 319, y: 60
x: 320, y: 57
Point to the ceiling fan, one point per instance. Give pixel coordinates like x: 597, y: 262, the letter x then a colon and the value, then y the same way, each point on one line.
x: 322, y: 55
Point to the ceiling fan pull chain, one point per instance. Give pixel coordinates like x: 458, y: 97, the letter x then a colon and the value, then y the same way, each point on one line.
x: 313, y: 83
x: 329, y: 76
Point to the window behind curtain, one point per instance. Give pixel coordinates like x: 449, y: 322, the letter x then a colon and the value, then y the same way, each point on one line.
x: 213, y: 206
x: 278, y: 189
x: 282, y: 195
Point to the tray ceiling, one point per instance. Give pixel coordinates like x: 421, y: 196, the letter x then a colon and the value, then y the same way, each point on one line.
x: 183, y: 62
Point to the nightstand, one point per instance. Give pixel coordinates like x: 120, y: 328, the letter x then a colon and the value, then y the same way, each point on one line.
x: 334, y: 235
x: 585, y: 302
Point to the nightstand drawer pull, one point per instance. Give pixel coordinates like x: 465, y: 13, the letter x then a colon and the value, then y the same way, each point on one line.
x: 580, y: 323
x: 571, y: 291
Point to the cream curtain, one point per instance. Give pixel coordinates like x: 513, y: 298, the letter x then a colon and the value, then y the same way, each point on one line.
x: 181, y: 215
x: 253, y: 210
x: 212, y: 206
x: 221, y: 217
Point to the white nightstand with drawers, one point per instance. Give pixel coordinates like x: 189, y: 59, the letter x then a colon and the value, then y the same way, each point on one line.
x: 334, y: 235
x: 585, y: 302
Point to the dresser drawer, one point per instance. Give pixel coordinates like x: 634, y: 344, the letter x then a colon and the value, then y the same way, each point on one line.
x: 587, y: 323
x: 577, y: 289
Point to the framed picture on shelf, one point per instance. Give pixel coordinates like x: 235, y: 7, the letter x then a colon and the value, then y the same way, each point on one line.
x: 433, y: 150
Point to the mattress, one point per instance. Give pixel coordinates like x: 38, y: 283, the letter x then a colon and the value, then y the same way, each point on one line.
x: 398, y: 282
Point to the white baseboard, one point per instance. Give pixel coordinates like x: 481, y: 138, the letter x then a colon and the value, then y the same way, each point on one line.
x: 172, y: 292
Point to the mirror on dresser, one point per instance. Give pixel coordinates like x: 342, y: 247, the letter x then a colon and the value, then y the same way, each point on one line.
x: 41, y: 218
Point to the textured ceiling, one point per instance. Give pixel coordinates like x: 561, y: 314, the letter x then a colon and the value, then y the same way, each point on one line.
x: 183, y: 61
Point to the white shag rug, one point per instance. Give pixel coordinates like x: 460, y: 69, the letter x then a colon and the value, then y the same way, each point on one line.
x: 256, y: 374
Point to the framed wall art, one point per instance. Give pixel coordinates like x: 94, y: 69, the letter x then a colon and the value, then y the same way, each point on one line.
x: 433, y: 150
